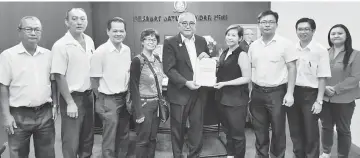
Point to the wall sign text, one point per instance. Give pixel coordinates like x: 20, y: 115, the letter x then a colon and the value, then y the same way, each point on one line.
x: 174, y: 18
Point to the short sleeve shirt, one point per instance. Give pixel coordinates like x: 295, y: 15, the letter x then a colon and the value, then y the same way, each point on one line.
x: 28, y: 76
x: 73, y: 61
x: 268, y: 61
x: 313, y: 62
x: 112, y: 66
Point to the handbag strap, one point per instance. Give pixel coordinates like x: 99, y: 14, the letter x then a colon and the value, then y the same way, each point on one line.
x: 155, y: 76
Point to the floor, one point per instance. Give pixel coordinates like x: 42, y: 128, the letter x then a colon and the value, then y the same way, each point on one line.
x: 212, y: 146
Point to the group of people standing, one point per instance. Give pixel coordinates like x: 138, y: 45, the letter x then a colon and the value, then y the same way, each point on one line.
x: 304, y: 81
x: 273, y: 77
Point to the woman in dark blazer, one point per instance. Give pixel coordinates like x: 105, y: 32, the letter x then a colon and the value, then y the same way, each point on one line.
x: 341, y: 91
x: 232, y: 97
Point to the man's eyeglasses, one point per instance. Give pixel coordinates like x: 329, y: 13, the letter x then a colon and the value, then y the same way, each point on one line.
x: 304, y: 29
x: 154, y: 40
x: 267, y: 22
x: 185, y: 24
x: 29, y: 29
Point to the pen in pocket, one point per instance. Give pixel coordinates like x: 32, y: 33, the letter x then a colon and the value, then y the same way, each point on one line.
x: 309, y: 64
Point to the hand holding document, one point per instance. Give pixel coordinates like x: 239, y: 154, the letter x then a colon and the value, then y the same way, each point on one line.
x: 205, y: 74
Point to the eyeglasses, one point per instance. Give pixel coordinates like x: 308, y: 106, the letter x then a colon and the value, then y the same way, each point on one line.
x: 185, y: 24
x: 29, y: 29
x: 304, y: 29
x: 267, y: 22
x: 154, y: 40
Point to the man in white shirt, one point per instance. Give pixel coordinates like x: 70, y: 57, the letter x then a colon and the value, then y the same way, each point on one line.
x: 273, y: 76
x: 27, y: 90
x: 110, y: 66
x: 71, y: 66
x: 313, y: 67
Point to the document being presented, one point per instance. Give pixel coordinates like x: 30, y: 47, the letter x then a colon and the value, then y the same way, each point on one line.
x: 205, y: 74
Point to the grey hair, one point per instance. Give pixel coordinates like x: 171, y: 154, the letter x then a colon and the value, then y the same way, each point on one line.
x: 67, y: 13
x: 182, y: 15
x: 27, y: 17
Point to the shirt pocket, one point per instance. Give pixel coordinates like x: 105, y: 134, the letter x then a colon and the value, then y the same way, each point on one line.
x: 273, y: 58
x: 310, y: 66
x: 273, y: 62
x: 338, y: 65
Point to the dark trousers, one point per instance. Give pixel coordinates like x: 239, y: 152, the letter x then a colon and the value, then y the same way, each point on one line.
x: 77, y: 134
x: 115, y: 120
x: 303, y: 124
x: 266, y: 107
x: 339, y: 114
x: 193, y: 111
x: 147, y: 130
x: 36, y: 122
x: 233, y: 118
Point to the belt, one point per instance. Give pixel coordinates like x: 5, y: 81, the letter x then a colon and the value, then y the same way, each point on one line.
x: 87, y: 92
x: 306, y: 88
x: 269, y: 89
x: 36, y: 108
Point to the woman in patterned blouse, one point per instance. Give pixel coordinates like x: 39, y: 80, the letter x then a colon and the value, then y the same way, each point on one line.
x: 144, y: 94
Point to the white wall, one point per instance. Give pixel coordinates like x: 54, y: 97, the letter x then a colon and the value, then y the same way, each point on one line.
x: 325, y: 14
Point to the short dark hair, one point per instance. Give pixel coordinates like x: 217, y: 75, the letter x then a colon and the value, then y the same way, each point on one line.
x: 268, y: 12
x: 149, y: 32
x: 237, y: 27
x: 68, y: 12
x: 311, y: 22
x: 115, y: 19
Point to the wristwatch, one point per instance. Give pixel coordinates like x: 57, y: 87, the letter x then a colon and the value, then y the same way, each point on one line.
x: 319, y: 102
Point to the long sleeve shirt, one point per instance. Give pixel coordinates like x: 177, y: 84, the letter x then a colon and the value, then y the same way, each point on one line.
x: 345, y: 82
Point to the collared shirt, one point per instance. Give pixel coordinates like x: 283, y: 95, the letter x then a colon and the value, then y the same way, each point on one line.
x: 112, y: 66
x: 313, y: 62
x: 73, y: 61
x: 345, y: 82
x: 28, y: 76
x: 268, y: 61
x: 191, y: 49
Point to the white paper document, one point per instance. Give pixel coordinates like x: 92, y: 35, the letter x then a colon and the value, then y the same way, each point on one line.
x: 205, y: 74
